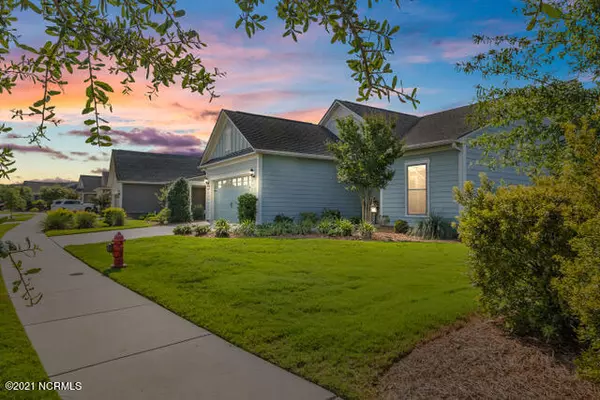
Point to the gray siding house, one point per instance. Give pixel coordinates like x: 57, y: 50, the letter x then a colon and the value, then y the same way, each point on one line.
x: 134, y: 179
x: 286, y: 164
x: 86, y: 187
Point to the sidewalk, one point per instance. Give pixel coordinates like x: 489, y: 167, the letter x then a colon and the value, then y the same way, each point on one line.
x: 120, y: 345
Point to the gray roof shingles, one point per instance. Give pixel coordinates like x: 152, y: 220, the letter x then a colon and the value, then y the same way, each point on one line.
x: 138, y: 166
x: 279, y: 134
x: 90, y: 182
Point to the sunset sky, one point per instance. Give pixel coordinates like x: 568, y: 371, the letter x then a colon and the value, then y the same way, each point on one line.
x: 267, y: 74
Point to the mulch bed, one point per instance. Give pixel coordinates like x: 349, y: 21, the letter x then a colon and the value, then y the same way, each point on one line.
x: 480, y: 361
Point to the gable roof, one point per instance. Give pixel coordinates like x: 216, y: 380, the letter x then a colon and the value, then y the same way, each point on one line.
x: 279, y: 134
x: 445, y: 125
x: 137, y: 166
x: 404, y: 122
x: 89, y: 182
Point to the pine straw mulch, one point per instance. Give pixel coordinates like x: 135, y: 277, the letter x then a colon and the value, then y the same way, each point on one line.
x: 481, y: 361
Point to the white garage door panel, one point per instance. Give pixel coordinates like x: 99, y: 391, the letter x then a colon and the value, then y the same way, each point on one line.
x: 226, y: 193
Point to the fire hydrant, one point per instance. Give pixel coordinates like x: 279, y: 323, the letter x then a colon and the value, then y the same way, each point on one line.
x: 117, y: 248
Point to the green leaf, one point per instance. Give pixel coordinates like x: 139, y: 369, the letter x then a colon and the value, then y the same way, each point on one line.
x: 89, y: 122
x: 54, y: 92
x: 32, y: 271
x: 104, y: 86
x: 39, y: 103
x: 179, y: 13
x: 87, y: 110
x: 551, y: 10
x: 531, y: 24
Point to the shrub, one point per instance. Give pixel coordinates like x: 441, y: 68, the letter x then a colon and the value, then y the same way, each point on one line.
x: 201, y: 230
x: 114, y: 216
x: 85, y: 219
x: 198, y: 212
x: 246, y: 208
x: 326, y: 226
x: 384, y: 220
x: 434, y: 227
x: 311, y: 217
x: 163, y: 216
x: 331, y: 214
x: 514, y: 237
x: 222, y: 228
x: 401, y: 226
x: 264, y: 230
x: 179, y: 201
x: 34, y: 209
x: 183, y: 230
x: 305, y: 227
x: 282, y: 218
x: 39, y: 204
x: 58, y: 219
x: 355, y: 220
x: 365, y: 230
x: 246, y: 228
x: 344, y: 227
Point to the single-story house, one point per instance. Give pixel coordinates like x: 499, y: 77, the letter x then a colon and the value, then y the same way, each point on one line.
x: 36, y: 186
x: 285, y: 163
x: 135, y: 178
x: 86, y: 187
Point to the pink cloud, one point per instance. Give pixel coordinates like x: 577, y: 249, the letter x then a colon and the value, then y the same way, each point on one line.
x: 454, y: 50
x: 418, y: 59
x: 55, y: 154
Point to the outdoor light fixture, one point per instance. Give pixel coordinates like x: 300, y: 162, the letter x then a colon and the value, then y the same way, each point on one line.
x: 252, y: 174
x: 373, y: 208
x: 206, y: 182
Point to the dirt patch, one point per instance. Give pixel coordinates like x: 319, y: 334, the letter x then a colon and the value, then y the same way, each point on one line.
x: 480, y: 361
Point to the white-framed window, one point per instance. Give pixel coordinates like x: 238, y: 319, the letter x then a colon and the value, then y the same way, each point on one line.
x: 417, y: 187
x: 227, y: 140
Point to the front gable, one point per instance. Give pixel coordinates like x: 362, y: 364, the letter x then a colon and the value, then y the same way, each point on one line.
x: 225, y: 139
x: 335, y: 112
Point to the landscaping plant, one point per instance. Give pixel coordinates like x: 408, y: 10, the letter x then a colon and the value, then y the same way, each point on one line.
x: 12, y: 199
x: 201, y: 230
x: 365, y: 230
x: 343, y: 227
x: 309, y: 217
x: 401, y: 226
x: 85, y: 219
x: 58, y: 219
x: 246, y: 228
x: 246, y: 207
x: 433, y: 227
x: 281, y: 218
x: 163, y: 216
x: 114, y: 216
x: 331, y: 214
x: 183, y: 230
x: 179, y: 201
x: 326, y: 226
x: 222, y: 228
x: 198, y: 212
x: 34, y: 209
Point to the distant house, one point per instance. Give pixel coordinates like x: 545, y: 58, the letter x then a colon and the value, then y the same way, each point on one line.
x: 36, y: 186
x: 285, y: 163
x: 86, y: 187
x: 134, y: 178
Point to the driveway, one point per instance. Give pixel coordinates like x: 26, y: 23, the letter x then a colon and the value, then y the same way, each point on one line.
x: 120, y: 345
x: 107, y: 236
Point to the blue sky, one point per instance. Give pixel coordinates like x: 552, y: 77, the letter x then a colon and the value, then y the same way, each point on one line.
x: 267, y: 74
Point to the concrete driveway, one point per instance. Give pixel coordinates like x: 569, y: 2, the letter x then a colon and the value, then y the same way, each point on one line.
x: 120, y: 345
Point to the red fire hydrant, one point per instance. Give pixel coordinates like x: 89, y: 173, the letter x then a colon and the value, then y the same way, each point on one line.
x: 117, y: 248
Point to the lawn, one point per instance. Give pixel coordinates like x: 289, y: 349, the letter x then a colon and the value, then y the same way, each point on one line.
x: 129, y: 224
x: 18, y: 217
x: 336, y: 312
x: 18, y: 360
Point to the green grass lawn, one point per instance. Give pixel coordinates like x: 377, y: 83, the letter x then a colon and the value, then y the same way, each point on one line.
x: 19, y: 217
x: 18, y: 360
x: 129, y: 224
x: 336, y: 312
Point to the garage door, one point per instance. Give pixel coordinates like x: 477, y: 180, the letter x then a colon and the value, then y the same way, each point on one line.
x: 226, y: 193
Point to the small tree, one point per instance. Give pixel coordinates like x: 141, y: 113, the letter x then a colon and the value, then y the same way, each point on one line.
x: 179, y: 201
x: 102, y: 200
x: 161, y: 196
x: 364, y: 156
x: 13, y: 200
x: 247, y: 207
x: 27, y: 195
x: 51, y: 193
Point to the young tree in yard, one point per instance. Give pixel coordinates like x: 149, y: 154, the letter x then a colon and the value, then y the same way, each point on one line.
x: 12, y: 200
x: 27, y: 195
x: 51, y: 193
x: 161, y: 196
x: 126, y: 37
x: 364, y: 156
x: 179, y: 201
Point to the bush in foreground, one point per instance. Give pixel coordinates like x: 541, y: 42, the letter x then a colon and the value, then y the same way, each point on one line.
x: 85, y: 220
x: 201, y: 230
x: 114, y: 216
x: 246, y: 228
x: 222, y: 228
x: 246, y: 209
x: 58, y: 219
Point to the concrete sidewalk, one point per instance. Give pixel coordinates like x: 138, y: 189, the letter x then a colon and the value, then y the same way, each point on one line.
x: 120, y: 345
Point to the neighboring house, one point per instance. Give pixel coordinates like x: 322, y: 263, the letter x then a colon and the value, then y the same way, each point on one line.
x: 36, y: 186
x: 86, y: 187
x: 134, y: 179
x: 103, y: 188
x: 287, y: 165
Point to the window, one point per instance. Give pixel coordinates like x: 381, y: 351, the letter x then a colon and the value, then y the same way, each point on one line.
x: 416, y: 188
x: 228, y: 140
